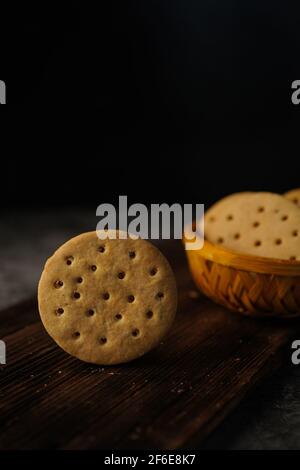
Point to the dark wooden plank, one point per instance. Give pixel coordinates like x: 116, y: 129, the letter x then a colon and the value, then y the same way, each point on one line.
x: 172, y: 396
x: 17, y: 316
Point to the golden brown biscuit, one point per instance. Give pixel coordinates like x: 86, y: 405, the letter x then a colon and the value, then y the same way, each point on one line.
x: 107, y: 301
x: 262, y: 224
x: 294, y: 196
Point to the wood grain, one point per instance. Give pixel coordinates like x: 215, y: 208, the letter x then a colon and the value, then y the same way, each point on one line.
x: 176, y: 394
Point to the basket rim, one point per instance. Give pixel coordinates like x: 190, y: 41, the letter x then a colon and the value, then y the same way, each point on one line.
x: 246, y: 262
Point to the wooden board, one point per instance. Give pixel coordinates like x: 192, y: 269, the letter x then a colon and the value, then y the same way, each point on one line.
x: 171, y: 398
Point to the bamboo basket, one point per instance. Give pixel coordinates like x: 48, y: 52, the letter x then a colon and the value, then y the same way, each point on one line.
x: 250, y: 285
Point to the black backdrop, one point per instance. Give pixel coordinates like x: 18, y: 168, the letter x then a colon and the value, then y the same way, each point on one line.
x: 162, y: 100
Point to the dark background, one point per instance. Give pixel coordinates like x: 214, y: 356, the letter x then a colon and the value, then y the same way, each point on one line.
x: 161, y: 100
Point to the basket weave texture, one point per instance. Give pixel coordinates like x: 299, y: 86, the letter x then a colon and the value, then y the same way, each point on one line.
x: 247, y: 284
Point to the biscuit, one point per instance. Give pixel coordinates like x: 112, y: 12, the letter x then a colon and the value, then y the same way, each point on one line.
x: 262, y: 224
x: 294, y: 196
x: 107, y: 301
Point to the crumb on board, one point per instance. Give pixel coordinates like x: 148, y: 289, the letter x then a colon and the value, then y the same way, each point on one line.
x: 193, y: 294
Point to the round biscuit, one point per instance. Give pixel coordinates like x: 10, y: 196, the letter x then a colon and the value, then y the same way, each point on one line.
x: 107, y: 301
x: 294, y: 196
x: 262, y: 224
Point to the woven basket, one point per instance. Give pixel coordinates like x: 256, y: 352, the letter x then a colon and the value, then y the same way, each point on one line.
x: 247, y: 284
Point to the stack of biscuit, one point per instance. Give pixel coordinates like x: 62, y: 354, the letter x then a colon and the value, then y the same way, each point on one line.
x: 257, y: 223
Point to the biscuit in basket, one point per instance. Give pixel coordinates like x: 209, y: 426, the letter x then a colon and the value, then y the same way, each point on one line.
x: 107, y: 301
x: 262, y: 224
x: 294, y: 196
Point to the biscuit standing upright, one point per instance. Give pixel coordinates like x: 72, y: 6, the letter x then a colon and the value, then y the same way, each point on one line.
x: 107, y: 301
x: 294, y: 196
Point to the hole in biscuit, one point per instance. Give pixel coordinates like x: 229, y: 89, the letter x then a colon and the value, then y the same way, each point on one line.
x: 90, y: 312
x: 278, y: 241
x: 93, y: 267
x: 237, y: 236
x: 284, y: 217
x: 153, y: 271
x: 257, y: 243
x: 118, y: 316
x: 58, y: 284
x: 212, y: 219
x: 105, y: 296
x: 121, y: 275
x: 79, y: 280
x: 160, y: 295
x: 295, y: 233
x: 59, y: 311
x: 132, y: 254
x: 103, y: 340
x: 220, y: 240
x: 229, y: 217
x: 293, y: 258
x: 135, y: 332
x: 256, y: 224
x: 76, y: 335
x: 149, y: 314
x: 76, y: 295
x: 260, y: 209
x: 69, y: 260
x: 101, y: 249
x: 295, y: 200
x: 131, y: 298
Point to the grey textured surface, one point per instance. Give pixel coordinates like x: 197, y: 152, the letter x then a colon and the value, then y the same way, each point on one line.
x: 268, y: 419
x: 27, y: 239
